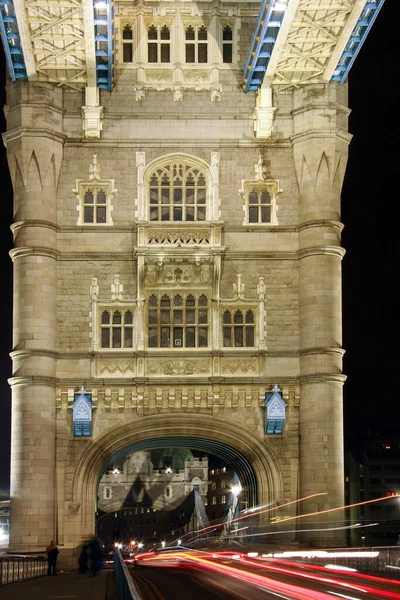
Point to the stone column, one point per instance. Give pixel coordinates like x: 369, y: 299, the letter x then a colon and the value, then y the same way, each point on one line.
x: 34, y: 147
x: 320, y: 146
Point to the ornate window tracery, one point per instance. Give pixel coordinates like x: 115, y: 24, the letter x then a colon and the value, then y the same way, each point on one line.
x: 95, y: 197
x: 259, y: 206
x: 178, y: 321
x: 116, y: 328
x: 158, y: 44
x: 196, y: 44
x: 95, y: 205
x: 127, y: 44
x: 177, y: 192
x: 238, y: 328
x: 227, y: 44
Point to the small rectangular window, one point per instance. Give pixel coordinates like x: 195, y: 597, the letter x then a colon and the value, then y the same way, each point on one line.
x: 127, y: 53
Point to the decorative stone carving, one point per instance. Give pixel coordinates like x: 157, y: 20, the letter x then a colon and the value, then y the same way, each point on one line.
x: 116, y: 289
x: 178, y: 95
x: 195, y: 76
x: 184, y: 237
x: 116, y: 367
x: 215, y: 95
x: 74, y: 507
x: 162, y: 75
x: 140, y: 95
x: 261, y: 169
x: 182, y: 271
x: 243, y: 366
x: 239, y: 287
x: 94, y: 169
x: 92, y: 121
x: 178, y: 368
x: 94, y: 289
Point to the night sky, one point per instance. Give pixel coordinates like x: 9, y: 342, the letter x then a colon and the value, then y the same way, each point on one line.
x: 371, y: 270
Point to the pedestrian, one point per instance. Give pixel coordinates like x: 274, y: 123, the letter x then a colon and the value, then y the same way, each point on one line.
x: 52, y: 552
x: 95, y: 554
x: 83, y: 560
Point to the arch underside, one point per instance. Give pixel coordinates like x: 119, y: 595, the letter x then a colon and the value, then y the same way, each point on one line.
x: 230, y: 455
x: 247, y: 452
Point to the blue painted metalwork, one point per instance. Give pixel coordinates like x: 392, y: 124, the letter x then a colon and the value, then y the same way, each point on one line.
x: 356, y: 40
x: 11, y: 41
x: 82, y: 414
x: 275, y: 412
x: 104, y: 42
x: 262, y: 44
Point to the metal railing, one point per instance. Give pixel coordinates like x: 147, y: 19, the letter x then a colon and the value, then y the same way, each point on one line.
x: 18, y: 568
x: 126, y: 588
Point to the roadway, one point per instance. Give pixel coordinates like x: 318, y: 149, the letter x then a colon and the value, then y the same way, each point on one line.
x: 198, y: 575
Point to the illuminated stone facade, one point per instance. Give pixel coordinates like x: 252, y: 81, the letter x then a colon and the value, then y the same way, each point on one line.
x: 177, y: 268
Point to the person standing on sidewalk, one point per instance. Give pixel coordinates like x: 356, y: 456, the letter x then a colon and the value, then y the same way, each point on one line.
x: 52, y: 552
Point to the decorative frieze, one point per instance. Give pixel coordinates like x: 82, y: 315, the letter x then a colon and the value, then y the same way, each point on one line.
x: 233, y: 366
x: 116, y: 367
x: 178, y: 367
x: 152, y: 398
x: 179, y: 237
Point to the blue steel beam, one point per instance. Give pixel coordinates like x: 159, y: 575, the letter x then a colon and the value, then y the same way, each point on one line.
x: 104, y: 43
x: 262, y: 43
x: 356, y: 40
x: 11, y: 41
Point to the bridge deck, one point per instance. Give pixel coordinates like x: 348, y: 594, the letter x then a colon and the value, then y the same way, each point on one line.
x: 71, y: 586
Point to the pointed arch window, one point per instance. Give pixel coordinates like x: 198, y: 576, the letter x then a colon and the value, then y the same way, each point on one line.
x: 95, y: 205
x: 238, y: 328
x: 127, y: 44
x: 227, y: 44
x: 177, y: 192
x: 178, y: 321
x: 259, y: 206
x: 116, y: 328
x: 196, y: 44
x: 158, y: 44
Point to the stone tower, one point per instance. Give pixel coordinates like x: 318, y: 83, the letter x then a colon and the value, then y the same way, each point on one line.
x: 177, y: 263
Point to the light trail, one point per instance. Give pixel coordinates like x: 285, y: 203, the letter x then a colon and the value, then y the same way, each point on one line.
x: 246, y: 516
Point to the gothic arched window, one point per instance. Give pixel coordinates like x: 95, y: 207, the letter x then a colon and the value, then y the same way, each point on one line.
x: 158, y: 44
x: 227, y: 44
x: 177, y: 192
x: 177, y: 321
x: 196, y: 41
x: 238, y: 328
x: 127, y: 44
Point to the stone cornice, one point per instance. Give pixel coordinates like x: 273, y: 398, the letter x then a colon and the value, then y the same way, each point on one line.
x: 33, y: 223
x: 36, y: 251
x: 322, y: 106
x: 209, y: 144
x: 19, y: 132
x: 321, y: 250
x: 321, y: 350
x: 33, y: 380
x: 321, y: 223
x: 34, y: 352
x: 30, y: 104
x: 323, y: 378
x: 312, y: 134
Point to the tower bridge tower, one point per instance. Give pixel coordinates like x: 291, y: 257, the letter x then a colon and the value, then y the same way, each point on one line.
x: 177, y: 171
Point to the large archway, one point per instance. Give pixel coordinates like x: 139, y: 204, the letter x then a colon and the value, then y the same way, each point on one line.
x: 249, y: 453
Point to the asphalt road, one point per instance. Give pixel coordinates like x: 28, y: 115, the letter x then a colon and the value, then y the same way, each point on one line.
x: 211, y: 577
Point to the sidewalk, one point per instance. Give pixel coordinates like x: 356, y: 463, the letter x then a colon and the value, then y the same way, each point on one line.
x: 68, y: 586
